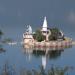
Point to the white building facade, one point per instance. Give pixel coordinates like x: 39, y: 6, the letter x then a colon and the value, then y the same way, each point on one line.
x: 27, y: 36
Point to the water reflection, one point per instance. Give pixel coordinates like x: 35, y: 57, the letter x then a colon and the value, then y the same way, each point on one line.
x: 44, y: 62
x: 38, y: 52
x: 43, y: 53
x: 55, y: 54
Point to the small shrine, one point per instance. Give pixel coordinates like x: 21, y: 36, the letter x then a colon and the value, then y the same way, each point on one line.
x: 27, y: 36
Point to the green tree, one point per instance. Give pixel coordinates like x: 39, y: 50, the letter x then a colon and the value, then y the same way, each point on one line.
x: 54, y: 34
x: 1, y: 33
x: 38, y: 36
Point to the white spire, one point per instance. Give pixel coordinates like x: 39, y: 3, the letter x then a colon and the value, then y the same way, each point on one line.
x: 30, y: 29
x: 44, y: 27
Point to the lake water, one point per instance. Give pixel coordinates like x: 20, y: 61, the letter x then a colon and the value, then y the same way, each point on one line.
x: 17, y: 55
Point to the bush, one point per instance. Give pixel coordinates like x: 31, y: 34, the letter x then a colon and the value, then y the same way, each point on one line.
x: 1, y: 33
x: 38, y: 36
x: 54, y: 34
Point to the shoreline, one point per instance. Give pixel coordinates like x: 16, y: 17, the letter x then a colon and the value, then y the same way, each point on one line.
x: 50, y: 44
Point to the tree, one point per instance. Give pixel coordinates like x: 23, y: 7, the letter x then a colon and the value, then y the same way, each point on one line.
x: 1, y: 33
x: 38, y: 36
x: 54, y: 34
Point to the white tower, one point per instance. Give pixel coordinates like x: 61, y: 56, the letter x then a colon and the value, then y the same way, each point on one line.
x: 30, y: 29
x: 44, y: 27
x: 45, y: 31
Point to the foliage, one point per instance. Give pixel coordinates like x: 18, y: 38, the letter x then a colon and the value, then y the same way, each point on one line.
x: 38, y: 36
x: 55, y: 33
x: 10, y: 70
x: 1, y: 33
x: 58, y: 71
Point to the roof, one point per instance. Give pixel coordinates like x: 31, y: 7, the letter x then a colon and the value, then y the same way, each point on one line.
x: 45, y: 23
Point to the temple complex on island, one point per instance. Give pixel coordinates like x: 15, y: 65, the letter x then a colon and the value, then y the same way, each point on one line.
x: 28, y: 38
x: 28, y: 35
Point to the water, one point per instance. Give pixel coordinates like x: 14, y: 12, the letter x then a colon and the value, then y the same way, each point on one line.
x: 17, y: 55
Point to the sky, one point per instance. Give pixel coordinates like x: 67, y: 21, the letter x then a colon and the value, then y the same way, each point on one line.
x: 16, y: 14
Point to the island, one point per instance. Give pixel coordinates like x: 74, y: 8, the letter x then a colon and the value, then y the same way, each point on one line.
x: 45, y: 37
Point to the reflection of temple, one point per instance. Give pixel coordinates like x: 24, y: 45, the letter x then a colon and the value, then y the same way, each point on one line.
x: 44, y: 61
x: 28, y: 50
x: 52, y: 54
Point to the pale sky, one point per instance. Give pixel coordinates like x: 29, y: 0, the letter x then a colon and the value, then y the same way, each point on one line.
x: 18, y: 13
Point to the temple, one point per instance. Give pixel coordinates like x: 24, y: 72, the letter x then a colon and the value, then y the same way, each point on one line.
x: 50, y: 39
x: 27, y: 36
x: 44, y: 27
x: 45, y: 31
